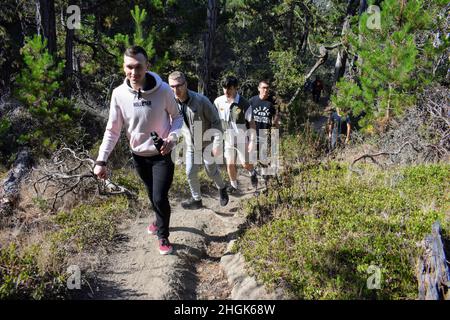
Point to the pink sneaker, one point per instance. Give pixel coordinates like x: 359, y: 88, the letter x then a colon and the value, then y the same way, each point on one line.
x: 164, y: 246
x: 152, y: 229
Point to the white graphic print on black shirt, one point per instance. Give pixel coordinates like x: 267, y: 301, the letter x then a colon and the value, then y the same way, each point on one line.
x: 263, y: 112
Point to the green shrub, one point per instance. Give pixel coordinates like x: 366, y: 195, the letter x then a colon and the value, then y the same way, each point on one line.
x: 305, y: 145
x: 88, y: 226
x: 22, y: 278
x: 119, y: 42
x: 329, y: 225
x: 39, y: 271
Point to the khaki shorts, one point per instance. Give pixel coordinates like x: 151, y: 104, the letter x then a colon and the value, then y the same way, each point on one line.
x: 235, y: 149
x: 231, y: 151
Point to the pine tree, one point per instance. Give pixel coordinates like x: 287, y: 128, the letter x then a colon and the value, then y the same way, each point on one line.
x: 389, y: 60
x: 121, y: 41
x: 39, y: 89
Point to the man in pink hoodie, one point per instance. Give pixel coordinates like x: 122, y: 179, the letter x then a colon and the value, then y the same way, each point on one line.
x: 144, y: 104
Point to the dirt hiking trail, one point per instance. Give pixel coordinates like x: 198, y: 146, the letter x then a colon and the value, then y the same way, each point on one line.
x: 200, y: 268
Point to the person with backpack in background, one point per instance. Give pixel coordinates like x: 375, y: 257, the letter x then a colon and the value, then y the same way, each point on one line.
x: 338, y: 123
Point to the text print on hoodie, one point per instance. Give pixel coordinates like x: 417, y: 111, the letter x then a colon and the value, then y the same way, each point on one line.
x: 141, y: 112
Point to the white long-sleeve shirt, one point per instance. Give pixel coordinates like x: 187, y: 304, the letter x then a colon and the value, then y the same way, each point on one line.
x: 141, y: 113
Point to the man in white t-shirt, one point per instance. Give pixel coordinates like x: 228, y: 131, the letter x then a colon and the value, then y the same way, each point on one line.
x: 236, y: 116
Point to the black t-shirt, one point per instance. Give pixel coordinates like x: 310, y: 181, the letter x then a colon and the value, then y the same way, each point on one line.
x: 339, y: 122
x: 263, y: 112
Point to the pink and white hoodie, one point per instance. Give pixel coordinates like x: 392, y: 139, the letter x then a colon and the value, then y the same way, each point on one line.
x: 141, y: 113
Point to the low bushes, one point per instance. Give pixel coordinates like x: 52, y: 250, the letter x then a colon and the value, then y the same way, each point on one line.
x: 38, y: 270
x: 329, y: 226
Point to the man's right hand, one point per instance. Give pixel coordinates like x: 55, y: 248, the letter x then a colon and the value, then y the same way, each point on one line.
x: 100, y: 172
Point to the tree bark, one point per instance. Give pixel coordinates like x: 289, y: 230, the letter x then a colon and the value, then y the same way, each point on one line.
x: 342, y: 57
x: 45, y: 18
x: 433, y: 273
x: 208, y: 47
x: 362, y: 7
x: 69, y: 55
x: 10, y: 188
x: 304, y: 39
x: 38, y: 18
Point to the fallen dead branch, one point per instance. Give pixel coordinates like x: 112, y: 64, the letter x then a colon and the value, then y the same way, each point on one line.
x: 373, y: 156
x: 71, y: 172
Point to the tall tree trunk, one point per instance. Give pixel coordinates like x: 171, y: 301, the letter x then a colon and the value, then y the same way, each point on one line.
x: 342, y: 57
x: 290, y: 24
x: 46, y: 18
x: 304, y: 39
x: 362, y: 7
x: 208, y: 47
x: 38, y: 17
x: 69, y: 55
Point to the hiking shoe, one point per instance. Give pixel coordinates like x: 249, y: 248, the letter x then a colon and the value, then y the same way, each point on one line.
x: 152, y: 229
x: 164, y: 246
x: 254, y: 180
x: 223, y: 195
x: 232, y: 190
x: 192, y: 204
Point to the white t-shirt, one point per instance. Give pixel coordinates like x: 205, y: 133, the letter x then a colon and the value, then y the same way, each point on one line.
x: 223, y: 107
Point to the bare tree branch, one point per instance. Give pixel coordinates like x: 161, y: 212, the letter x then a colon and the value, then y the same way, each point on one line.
x: 70, y: 171
x: 383, y: 153
x: 321, y: 60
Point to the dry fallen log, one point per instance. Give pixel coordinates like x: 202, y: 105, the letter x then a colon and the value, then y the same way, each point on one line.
x: 10, y: 187
x: 433, y: 272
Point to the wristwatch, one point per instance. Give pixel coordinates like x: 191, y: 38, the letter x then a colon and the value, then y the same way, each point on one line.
x: 100, y: 163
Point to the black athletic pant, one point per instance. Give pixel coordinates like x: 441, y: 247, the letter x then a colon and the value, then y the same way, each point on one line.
x: 157, y: 174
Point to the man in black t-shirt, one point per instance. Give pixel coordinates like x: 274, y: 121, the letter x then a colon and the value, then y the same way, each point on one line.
x: 266, y: 116
x: 338, y: 124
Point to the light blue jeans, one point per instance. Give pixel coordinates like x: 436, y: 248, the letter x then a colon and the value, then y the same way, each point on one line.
x: 192, y: 170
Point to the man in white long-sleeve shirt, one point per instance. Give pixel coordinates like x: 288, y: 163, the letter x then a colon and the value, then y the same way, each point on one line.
x: 144, y: 104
